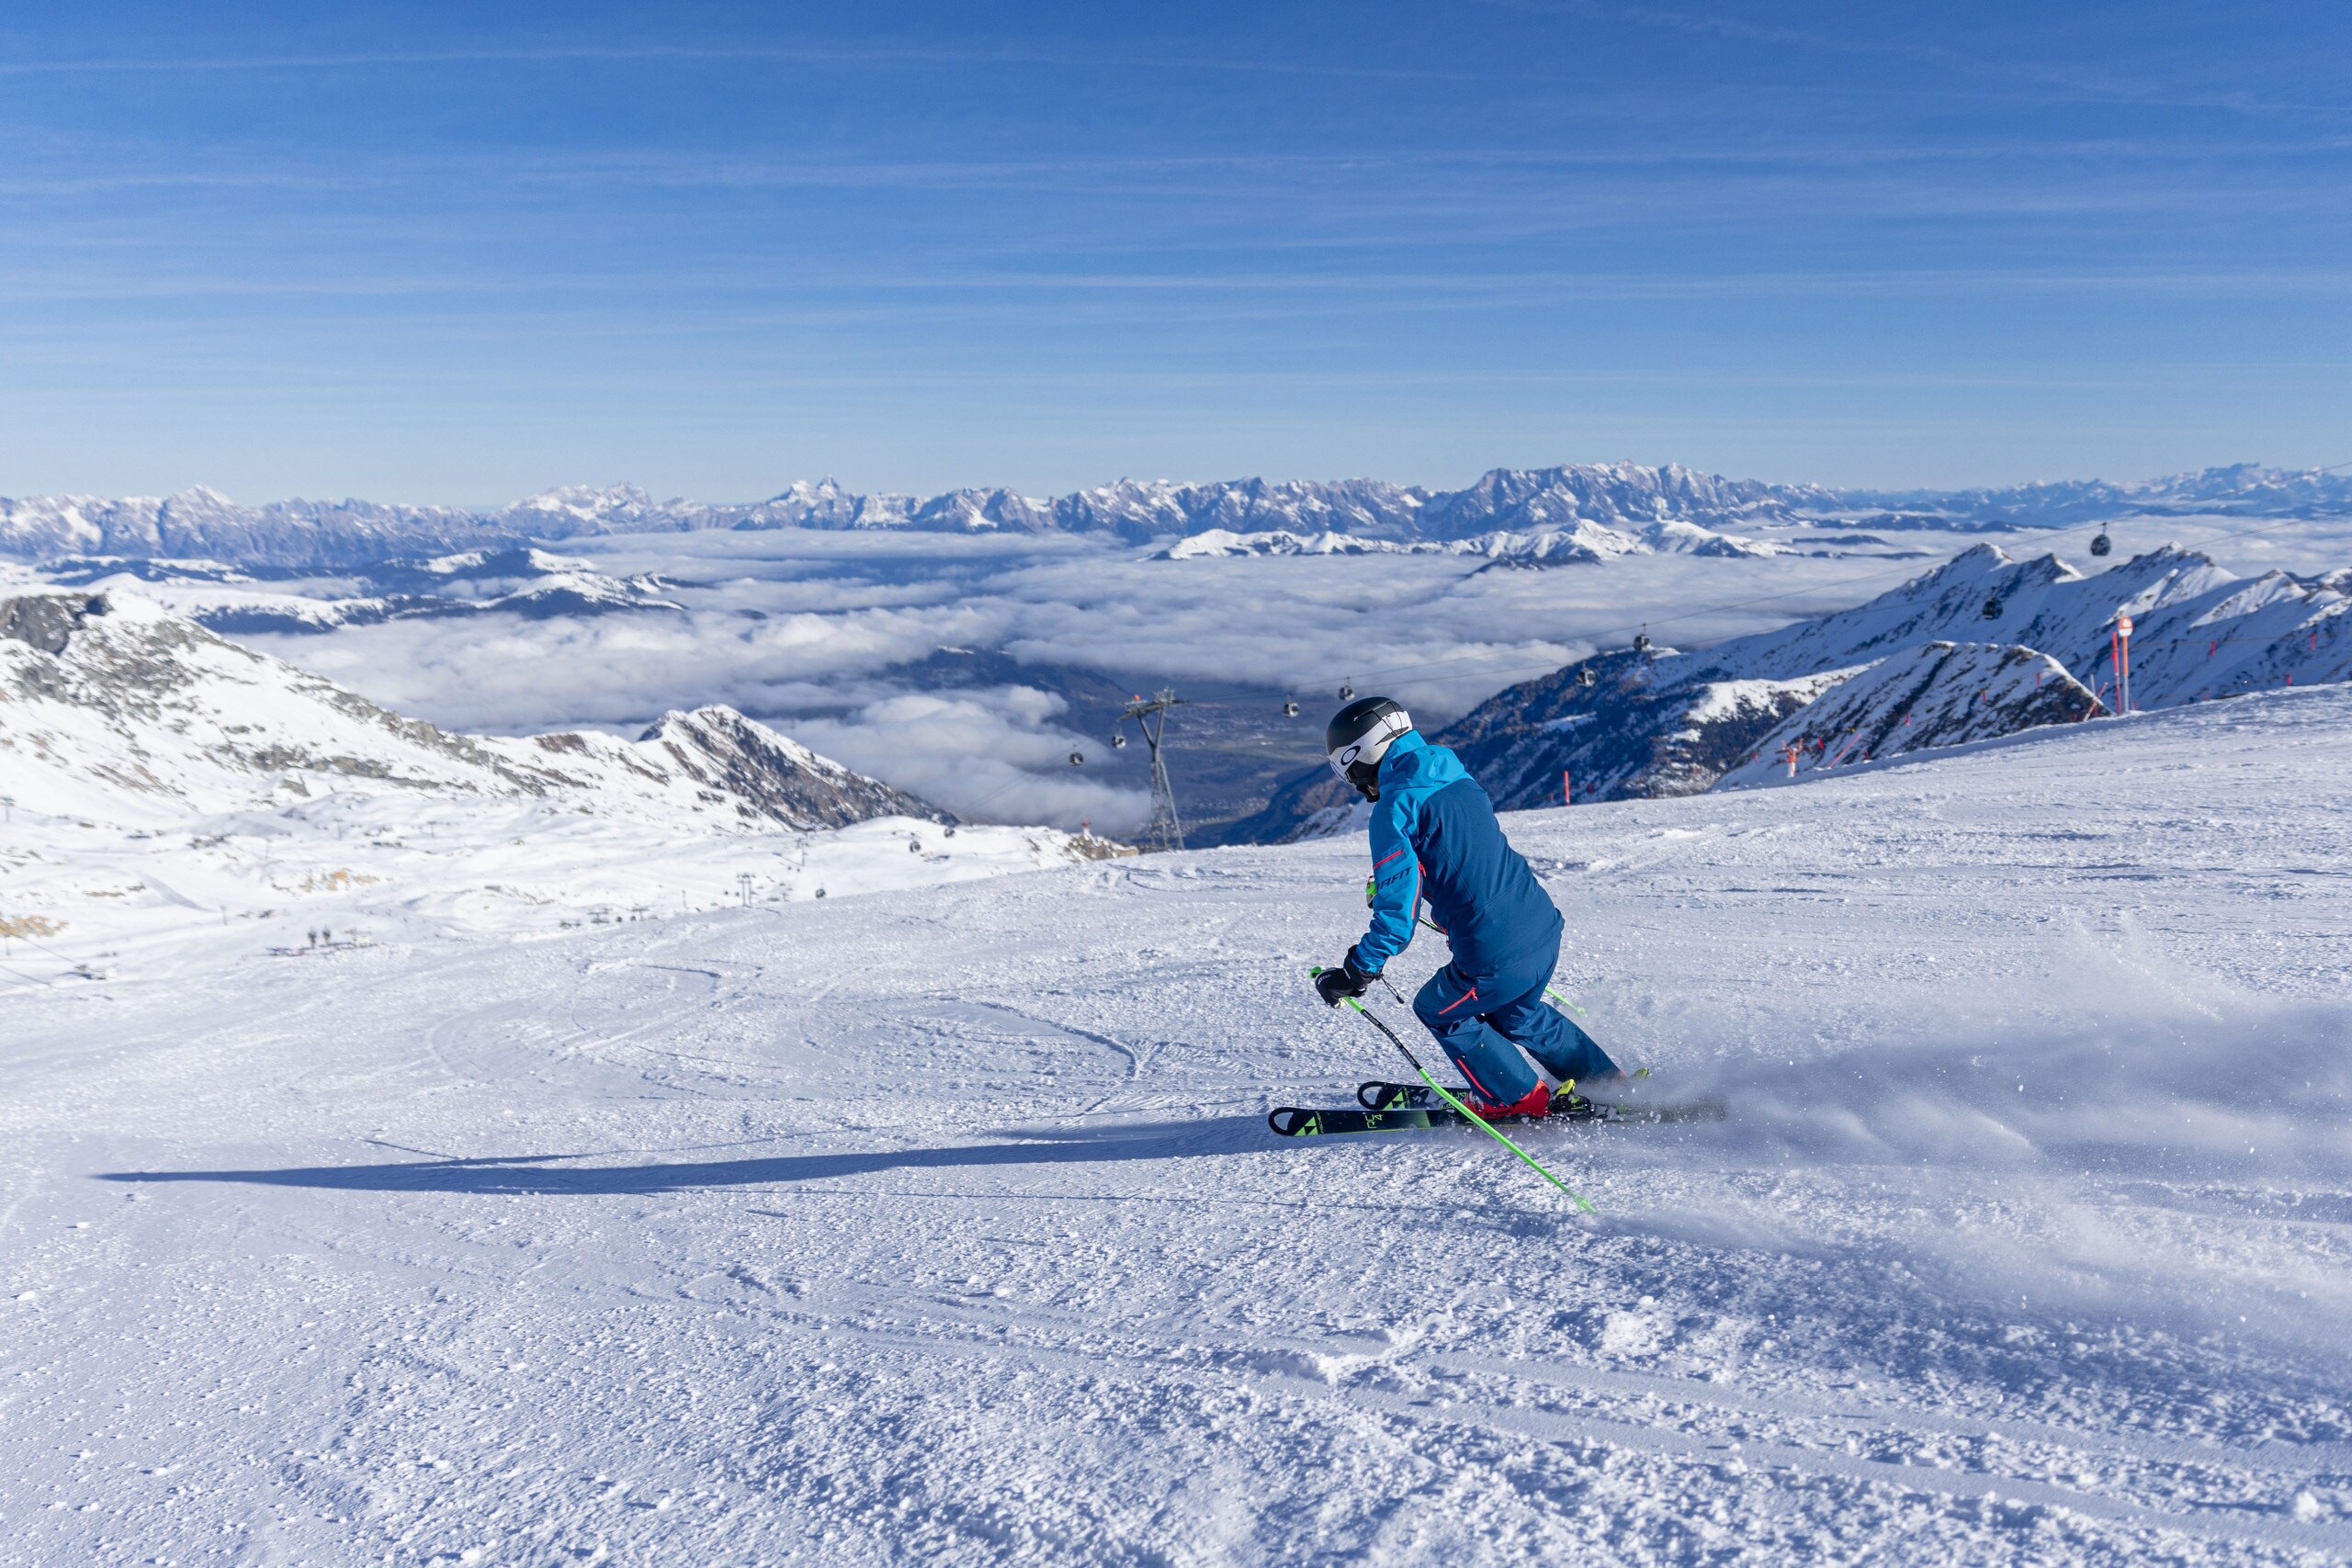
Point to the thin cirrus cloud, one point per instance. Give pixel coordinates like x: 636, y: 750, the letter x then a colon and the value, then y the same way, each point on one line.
x: 670, y: 232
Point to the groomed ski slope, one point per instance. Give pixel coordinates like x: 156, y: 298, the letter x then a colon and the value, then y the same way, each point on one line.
x: 944, y: 1225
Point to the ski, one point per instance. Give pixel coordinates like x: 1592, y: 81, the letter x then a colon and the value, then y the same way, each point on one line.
x: 1407, y: 1096
x: 1308, y: 1121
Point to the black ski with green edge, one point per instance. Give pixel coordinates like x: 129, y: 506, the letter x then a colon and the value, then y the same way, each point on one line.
x: 1377, y: 1096
x: 1571, y: 1108
x: 1305, y: 1121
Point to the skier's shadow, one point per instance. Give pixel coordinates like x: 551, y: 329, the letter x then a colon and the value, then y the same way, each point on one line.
x: 522, y: 1174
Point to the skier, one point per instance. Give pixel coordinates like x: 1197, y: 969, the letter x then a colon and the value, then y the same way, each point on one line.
x: 1434, y: 836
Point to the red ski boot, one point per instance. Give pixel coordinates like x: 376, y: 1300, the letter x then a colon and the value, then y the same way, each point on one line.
x: 1536, y: 1102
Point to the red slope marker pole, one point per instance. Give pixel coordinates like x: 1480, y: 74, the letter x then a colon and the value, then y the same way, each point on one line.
x: 2122, y: 644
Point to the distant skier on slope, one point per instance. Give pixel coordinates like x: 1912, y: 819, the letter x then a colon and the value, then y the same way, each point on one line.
x: 1434, y: 836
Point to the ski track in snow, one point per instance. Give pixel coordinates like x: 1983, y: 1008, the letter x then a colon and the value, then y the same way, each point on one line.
x: 942, y: 1225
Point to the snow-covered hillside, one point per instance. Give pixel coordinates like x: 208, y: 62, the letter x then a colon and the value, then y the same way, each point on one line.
x: 161, y: 781
x: 944, y: 1225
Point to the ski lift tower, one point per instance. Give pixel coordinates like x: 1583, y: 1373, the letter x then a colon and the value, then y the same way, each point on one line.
x: 1164, y: 830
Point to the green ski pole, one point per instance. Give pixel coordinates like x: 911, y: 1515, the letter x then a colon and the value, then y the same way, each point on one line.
x: 1479, y: 1122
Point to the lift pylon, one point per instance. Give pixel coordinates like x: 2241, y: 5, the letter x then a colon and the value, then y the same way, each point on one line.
x: 1165, y: 831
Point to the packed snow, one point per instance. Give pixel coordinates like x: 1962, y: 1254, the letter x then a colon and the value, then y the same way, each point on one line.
x: 943, y: 1224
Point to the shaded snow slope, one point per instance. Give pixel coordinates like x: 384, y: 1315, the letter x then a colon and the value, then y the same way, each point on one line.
x: 1635, y: 730
x: 944, y: 1225
x: 1940, y: 694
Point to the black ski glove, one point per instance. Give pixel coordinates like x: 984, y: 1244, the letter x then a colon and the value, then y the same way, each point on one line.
x: 1347, y: 980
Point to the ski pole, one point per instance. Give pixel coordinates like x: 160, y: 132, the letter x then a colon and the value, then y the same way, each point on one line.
x: 1479, y: 1122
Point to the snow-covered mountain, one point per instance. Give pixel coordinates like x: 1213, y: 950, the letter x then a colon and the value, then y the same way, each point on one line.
x: 2200, y: 630
x: 2243, y: 489
x: 147, y: 759
x: 203, y: 523
x: 1940, y: 694
x: 1579, y: 543
x: 1660, y: 722
x: 1622, y: 496
x: 1629, y: 499
x: 528, y: 583
x: 118, y: 707
x: 1584, y: 542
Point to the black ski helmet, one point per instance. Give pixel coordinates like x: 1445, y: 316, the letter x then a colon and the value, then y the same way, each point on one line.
x: 1358, y: 736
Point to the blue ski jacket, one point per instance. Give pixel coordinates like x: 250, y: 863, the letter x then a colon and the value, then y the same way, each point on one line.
x: 1434, y: 836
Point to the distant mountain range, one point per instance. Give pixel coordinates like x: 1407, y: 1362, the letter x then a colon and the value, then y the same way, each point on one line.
x: 1629, y: 500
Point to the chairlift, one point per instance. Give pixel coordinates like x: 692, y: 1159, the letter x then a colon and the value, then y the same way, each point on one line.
x: 1993, y: 607
x: 2102, y: 544
x: 1290, y: 709
x: 1118, y: 739
x: 1347, y: 693
x: 1584, y: 675
x: 1642, y: 640
x: 1077, y: 760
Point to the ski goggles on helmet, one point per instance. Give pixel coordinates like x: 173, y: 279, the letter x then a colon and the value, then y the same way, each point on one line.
x: 1363, y: 754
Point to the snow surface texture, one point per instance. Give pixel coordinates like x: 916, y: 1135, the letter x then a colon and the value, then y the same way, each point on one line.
x: 943, y: 1226
x: 158, y: 781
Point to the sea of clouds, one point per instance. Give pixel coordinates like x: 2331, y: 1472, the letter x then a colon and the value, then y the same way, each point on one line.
x: 804, y: 627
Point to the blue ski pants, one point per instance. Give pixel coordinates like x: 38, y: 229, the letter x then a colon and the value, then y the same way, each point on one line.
x: 1483, y: 1021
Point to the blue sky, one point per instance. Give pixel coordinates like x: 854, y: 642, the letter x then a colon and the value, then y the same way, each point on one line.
x: 457, y: 252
